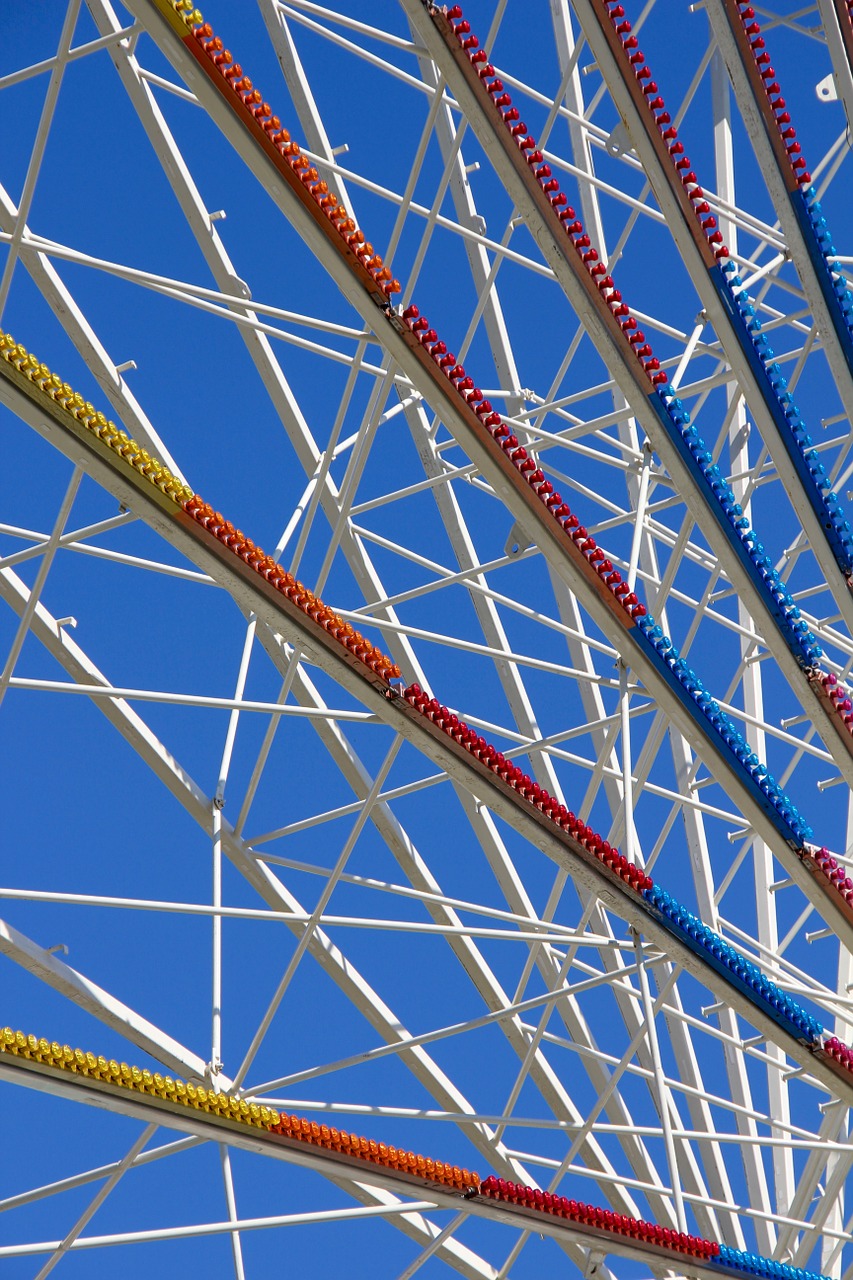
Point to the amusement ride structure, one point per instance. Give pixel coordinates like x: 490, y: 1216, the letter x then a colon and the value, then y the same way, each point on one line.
x: 427, y: 527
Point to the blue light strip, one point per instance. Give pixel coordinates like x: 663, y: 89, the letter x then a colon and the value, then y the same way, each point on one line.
x: 728, y: 512
x: 695, y: 697
x: 822, y: 253
x: 736, y: 968
x: 752, y: 1264
x: 786, y: 416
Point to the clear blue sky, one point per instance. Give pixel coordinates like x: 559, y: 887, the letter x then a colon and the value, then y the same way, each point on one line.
x: 83, y: 814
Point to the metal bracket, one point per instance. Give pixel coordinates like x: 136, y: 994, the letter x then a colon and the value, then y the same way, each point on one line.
x: 826, y: 89
x: 594, y: 1260
x: 517, y: 541
x: 619, y: 143
x: 241, y: 289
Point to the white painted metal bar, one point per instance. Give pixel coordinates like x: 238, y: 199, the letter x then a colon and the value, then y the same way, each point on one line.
x: 672, y: 204
x: 214, y: 1228
x: 535, y: 931
x: 316, y: 916
x: 77, y: 51
x: 188, y: 700
x: 432, y: 1248
x: 560, y: 254
x: 230, y: 1200
x: 663, y: 1098
x: 72, y: 1237
x: 547, y: 933
x: 48, y: 556
x: 45, y: 121
x: 81, y: 333
x: 88, y: 995
x: 344, y: 972
x: 216, y: 939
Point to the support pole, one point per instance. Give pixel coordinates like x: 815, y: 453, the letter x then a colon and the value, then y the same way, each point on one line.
x: 660, y: 1083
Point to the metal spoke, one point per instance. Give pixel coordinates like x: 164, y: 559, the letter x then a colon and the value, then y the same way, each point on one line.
x: 228, y: 860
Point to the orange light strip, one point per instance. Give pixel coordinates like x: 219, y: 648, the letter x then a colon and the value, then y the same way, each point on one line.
x: 228, y: 77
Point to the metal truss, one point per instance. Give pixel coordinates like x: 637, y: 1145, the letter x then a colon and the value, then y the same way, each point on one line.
x: 221, y: 857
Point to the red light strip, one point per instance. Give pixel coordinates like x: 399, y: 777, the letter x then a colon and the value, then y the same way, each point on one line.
x: 768, y: 95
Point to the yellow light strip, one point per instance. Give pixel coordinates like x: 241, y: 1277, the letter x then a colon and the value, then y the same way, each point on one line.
x: 61, y: 1057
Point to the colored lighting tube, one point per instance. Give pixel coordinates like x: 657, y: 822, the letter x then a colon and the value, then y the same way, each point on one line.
x: 743, y: 973
x: 807, y: 207
x: 667, y: 406
x: 598, y: 566
x: 351, y: 1148
x: 679, y: 678
x: 226, y: 1106
x: 712, y: 949
x: 258, y: 115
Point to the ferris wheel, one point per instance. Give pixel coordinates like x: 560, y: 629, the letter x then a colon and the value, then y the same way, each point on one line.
x: 426, y: 451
